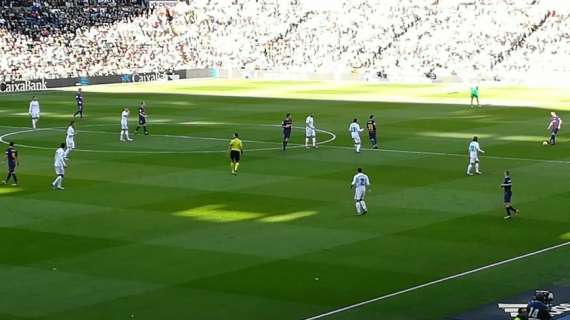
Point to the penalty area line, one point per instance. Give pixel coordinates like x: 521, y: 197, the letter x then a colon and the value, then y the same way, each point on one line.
x: 438, y: 281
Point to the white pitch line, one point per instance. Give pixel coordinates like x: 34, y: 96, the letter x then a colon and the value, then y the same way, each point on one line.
x: 431, y: 283
x: 445, y: 154
x: 332, y: 138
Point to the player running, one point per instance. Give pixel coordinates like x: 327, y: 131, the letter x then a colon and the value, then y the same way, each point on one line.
x: 125, y: 125
x: 59, y: 165
x: 34, y: 111
x: 507, y: 187
x: 236, y: 150
x: 310, y: 131
x: 69, y: 140
x: 79, y: 101
x: 12, y: 158
x: 474, y: 151
x: 355, y: 131
x: 554, y: 126
x: 475, y: 95
x: 287, y: 126
x: 142, y: 119
x: 360, y: 182
x: 371, y: 126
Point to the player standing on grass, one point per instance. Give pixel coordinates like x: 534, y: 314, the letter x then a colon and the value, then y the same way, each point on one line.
x: 59, y: 165
x: 142, y: 119
x: 310, y: 131
x: 554, y: 126
x: 371, y: 126
x: 12, y: 158
x: 507, y: 187
x: 355, y: 131
x: 236, y: 150
x: 69, y: 140
x: 287, y: 126
x: 474, y: 151
x: 34, y: 111
x: 475, y: 94
x: 79, y: 101
x: 360, y: 181
x: 125, y: 125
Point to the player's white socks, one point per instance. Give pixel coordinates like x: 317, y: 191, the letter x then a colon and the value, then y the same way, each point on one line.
x: 357, y: 147
x: 57, y: 182
x: 358, y: 210
x: 477, y: 167
x: 363, y: 205
x: 34, y: 121
x: 469, y: 167
x: 127, y: 135
x: 314, y: 142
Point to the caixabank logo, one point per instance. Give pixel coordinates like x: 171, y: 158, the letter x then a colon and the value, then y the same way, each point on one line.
x: 508, y: 308
x: 23, y: 86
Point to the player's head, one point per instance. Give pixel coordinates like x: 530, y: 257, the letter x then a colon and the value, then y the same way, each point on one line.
x: 34, y: 98
x: 311, y: 114
x: 507, y: 173
x: 354, y: 120
x: 62, y: 145
x: 288, y: 115
x: 72, y: 123
x: 79, y: 90
x: 371, y: 116
x: 553, y: 114
x: 475, y: 138
x: 236, y: 135
x: 359, y: 170
x: 11, y: 144
x: 125, y: 109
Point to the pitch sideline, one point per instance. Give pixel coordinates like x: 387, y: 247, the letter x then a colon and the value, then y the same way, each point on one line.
x: 431, y: 283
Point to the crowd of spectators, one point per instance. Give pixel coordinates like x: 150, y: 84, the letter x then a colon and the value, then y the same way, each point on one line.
x: 477, y: 39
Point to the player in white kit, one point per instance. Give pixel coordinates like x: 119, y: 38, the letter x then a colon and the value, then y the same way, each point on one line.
x: 310, y: 132
x: 69, y: 140
x: 474, y: 151
x: 59, y: 165
x: 360, y: 182
x: 34, y: 111
x: 125, y: 125
x: 355, y: 131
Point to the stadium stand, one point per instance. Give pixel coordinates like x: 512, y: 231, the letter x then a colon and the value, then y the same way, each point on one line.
x: 413, y: 39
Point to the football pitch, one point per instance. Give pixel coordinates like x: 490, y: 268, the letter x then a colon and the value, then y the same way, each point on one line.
x: 159, y: 228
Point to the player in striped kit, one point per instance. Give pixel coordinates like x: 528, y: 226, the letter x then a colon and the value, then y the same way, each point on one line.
x: 360, y: 182
x: 554, y: 126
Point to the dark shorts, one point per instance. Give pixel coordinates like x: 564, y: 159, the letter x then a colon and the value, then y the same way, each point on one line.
x: 11, y: 166
x: 142, y: 121
x: 79, y: 107
x: 372, y: 135
x: 234, y: 155
x: 507, y: 197
x: 554, y: 131
x: 286, y: 133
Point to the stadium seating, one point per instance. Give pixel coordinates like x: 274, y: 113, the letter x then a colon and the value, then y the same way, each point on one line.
x: 503, y: 40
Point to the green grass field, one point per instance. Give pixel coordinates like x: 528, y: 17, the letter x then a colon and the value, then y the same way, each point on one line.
x: 160, y: 229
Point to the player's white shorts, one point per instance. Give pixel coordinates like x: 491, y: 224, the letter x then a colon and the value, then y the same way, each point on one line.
x: 35, y: 115
x: 356, y: 138
x: 70, y: 143
x: 473, y: 158
x: 309, y: 132
x: 124, y: 125
x: 59, y: 170
x: 360, y: 193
